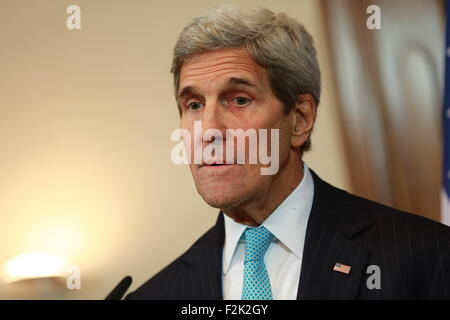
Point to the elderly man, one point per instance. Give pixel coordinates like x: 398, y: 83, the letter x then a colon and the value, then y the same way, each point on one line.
x: 287, y: 235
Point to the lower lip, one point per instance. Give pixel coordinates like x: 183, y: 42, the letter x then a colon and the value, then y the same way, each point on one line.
x: 221, y: 167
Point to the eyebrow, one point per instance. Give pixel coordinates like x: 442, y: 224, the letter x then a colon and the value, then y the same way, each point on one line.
x: 186, y: 91
x: 241, y: 81
x: 232, y: 82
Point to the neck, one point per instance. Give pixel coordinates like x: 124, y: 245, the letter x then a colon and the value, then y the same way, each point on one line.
x: 254, y: 211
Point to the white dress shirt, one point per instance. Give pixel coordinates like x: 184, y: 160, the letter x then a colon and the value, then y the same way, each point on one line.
x: 283, y: 258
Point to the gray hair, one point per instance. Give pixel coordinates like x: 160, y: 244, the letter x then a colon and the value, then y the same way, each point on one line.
x: 276, y: 42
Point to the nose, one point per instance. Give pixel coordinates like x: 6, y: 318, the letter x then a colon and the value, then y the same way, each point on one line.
x: 213, y: 122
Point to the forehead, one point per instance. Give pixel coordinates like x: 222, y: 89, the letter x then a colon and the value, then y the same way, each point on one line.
x: 212, y: 67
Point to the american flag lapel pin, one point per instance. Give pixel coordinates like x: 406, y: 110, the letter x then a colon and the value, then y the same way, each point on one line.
x: 342, y: 268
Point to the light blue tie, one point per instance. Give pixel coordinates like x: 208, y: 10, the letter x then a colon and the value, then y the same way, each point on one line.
x: 256, y: 284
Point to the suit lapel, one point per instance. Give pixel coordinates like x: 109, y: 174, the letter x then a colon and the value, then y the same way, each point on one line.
x: 334, y: 220
x: 204, y: 260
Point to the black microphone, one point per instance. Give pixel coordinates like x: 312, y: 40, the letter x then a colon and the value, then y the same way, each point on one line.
x: 118, y: 292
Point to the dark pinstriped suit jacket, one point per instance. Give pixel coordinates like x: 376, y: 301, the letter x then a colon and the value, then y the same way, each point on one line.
x: 413, y: 254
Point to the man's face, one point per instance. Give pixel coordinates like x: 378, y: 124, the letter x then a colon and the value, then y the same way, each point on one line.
x: 226, y: 89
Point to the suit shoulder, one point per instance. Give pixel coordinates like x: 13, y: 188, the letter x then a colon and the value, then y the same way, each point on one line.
x: 164, y: 284
x: 154, y: 287
x: 386, y: 216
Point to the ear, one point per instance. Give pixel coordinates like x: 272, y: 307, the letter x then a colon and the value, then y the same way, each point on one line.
x: 304, y: 117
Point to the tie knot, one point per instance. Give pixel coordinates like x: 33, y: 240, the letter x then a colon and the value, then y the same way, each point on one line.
x: 257, y: 241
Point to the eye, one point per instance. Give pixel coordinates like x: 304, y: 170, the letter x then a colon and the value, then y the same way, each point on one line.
x: 241, y: 101
x: 194, y: 106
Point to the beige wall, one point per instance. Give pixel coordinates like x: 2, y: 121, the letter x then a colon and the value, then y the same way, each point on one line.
x: 85, y: 123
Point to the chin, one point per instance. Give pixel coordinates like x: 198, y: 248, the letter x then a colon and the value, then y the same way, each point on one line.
x: 221, y: 199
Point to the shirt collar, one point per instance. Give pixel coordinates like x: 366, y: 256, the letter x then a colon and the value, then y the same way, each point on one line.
x: 287, y: 223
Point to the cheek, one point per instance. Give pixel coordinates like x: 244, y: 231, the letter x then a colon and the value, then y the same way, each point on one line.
x: 187, y: 130
x: 284, y: 145
x: 280, y: 141
x: 285, y: 138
